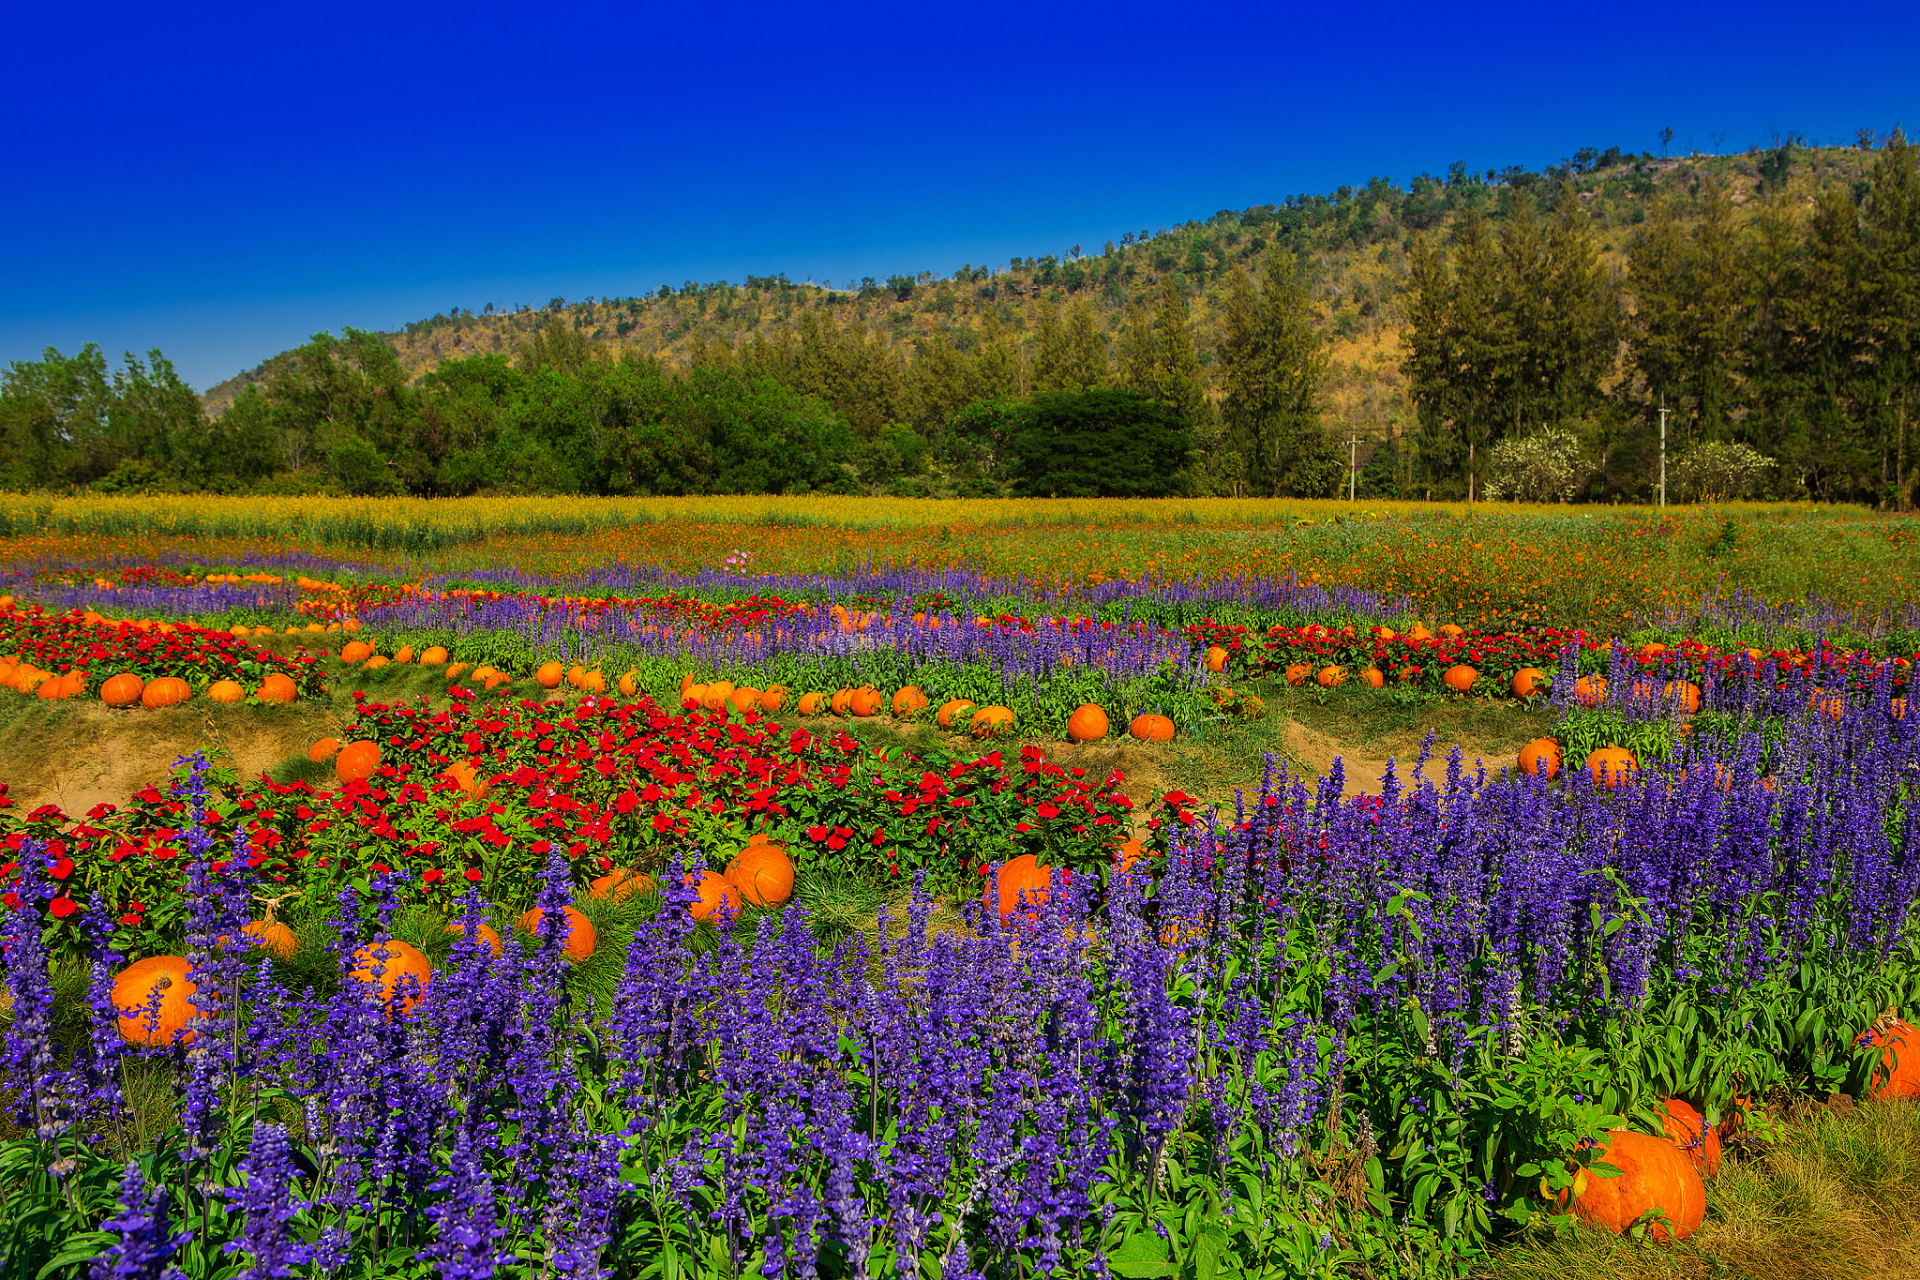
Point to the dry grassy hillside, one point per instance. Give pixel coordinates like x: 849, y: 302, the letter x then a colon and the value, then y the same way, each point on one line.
x: 1352, y: 245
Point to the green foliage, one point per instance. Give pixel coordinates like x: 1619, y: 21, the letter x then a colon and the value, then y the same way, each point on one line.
x: 1549, y: 466
x: 1102, y: 444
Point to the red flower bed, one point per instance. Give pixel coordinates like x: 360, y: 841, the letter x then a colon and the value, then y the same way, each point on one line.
x: 610, y: 783
x: 103, y: 647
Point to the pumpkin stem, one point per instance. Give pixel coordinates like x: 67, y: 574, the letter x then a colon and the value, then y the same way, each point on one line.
x: 273, y: 904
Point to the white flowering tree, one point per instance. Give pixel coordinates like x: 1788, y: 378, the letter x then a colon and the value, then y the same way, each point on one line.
x: 1715, y: 472
x: 1548, y: 466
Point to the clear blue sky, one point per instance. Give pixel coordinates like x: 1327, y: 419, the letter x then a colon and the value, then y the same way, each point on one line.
x: 222, y: 181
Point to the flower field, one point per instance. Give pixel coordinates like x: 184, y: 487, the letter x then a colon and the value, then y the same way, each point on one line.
x: 783, y: 919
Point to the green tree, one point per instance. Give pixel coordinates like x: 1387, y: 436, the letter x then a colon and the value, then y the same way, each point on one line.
x: 1890, y: 293
x: 1101, y: 444
x: 1271, y: 363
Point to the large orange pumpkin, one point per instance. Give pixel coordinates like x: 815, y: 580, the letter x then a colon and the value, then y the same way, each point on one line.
x: 579, y: 940
x: 403, y: 962
x: 629, y: 684
x: 763, y: 874
x: 1541, y: 758
x: 716, y: 892
x: 1418, y: 631
x: 122, y: 690
x: 1459, y: 678
x: 1330, y: 677
x: 325, y: 749
x: 944, y: 717
x: 812, y: 704
x: 866, y: 702
x: 1088, y: 723
x: 992, y: 721
x: 152, y: 997
x: 1528, y: 681
x: 1654, y: 1175
x: 357, y: 760
x: 1898, y: 1075
x: 1683, y: 694
x: 1151, y: 728
x: 1017, y: 876
x: 270, y: 934
x: 620, y: 883
x: 1590, y: 691
x: 548, y: 675
x: 692, y: 696
x: 278, y: 687
x: 228, y: 691
x: 1612, y: 767
x: 356, y: 651
x: 842, y: 699
x: 164, y: 692
x: 1689, y: 1131
x: 773, y: 698
x: 405, y: 654
x: 909, y: 701
x: 718, y: 697
x: 1373, y: 678
x: 745, y: 698
x: 488, y: 935
x: 1451, y: 631
x: 1299, y: 673
x: 1216, y: 658
x: 433, y: 655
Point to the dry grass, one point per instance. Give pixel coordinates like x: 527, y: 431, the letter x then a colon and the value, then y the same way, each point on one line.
x: 1837, y: 1198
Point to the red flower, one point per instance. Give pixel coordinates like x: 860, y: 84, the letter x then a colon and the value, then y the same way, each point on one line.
x: 61, y: 869
x: 62, y: 907
x: 430, y: 876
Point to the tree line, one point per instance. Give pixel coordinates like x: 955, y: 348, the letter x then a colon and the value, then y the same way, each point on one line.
x: 1788, y: 336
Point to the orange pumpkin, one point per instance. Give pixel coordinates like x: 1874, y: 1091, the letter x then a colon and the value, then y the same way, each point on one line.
x: 122, y: 690
x: 718, y: 697
x: 909, y: 702
x: 1529, y: 682
x: 1330, y: 677
x: 404, y: 654
x: 1590, y: 691
x: 716, y: 892
x: 270, y: 934
x: 1216, y: 658
x: 773, y: 698
x: 592, y: 682
x: 152, y: 996
x: 629, y: 684
x: 1088, y: 723
x: 433, y: 655
x: 357, y: 760
x: 1898, y: 1075
x: 579, y: 940
x: 1373, y: 678
x: 1828, y: 703
x: 1654, y: 1175
x: 278, y: 687
x: 1418, y: 631
x: 1683, y: 694
x: 620, y: 883
x: 1299, y: 673
x: 991, y: 722
x: 164, y: 692
x: 812, y: 704
x: 842, y: 699
x: 692, y: 697
x: 1017, y: 876
x: 325, y: 749
x: 763, y: 874
x: 403, y: 976
x: 1541, y: 758
x: 226, y: 691
x: 1451, y: 631
x: 944, y: 717
x: 548, y: 675
x: 865, y: 702
x: 356, y: 651
x: 746, y: 698
x: 488, y: 935
x: 1612, y: 767
x: 1459, y: 678
x: 1689, y: 1131
x: 1151, y: 728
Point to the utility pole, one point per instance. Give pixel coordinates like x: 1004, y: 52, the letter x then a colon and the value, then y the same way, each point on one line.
x: 1663, y: 457
x: 1353, y: 472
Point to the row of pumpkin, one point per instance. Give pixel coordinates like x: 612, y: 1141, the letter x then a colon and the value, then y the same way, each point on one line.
x: 125, y: 689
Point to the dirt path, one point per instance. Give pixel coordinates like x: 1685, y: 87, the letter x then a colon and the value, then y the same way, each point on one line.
x: 1317, y: 752
x: 82, y: 755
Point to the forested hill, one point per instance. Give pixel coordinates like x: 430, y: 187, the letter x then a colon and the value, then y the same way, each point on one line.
x: 1351, y: 246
